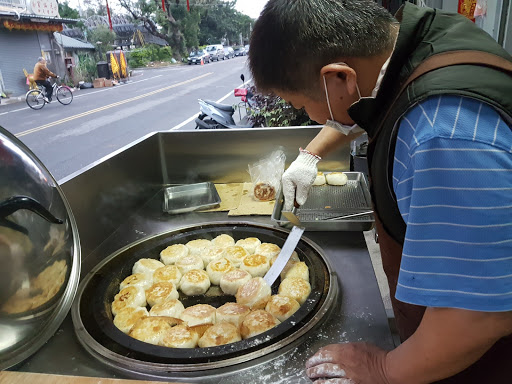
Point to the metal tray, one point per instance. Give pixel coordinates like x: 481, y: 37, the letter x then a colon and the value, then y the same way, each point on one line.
x: 330, y: 201
x: 190, y: 197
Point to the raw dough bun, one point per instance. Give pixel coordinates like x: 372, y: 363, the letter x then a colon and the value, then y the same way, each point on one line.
x: 147, y: 266
x: 189, y: 263
x: 180, y: 336
x: 169, y: 308
x: 223, y: 241
x: 249, y: 244
x: 268, y: 249
x: 231, y: 281
x: 336, y: 178
x: 233, y: 313
x: 264, y: 191
x: 160, y: 292
x: 153, y: 329
x: 126, y: 318
x: 220, y: 334
x: 210, y: 254
x: 217, y: 268
x: 195, y: 282
x: 320, y: 179
x: 139, y: 279
x: 299, y: 270
x: 296, y: 288
x: 198, y: 314
x: 235, y: 254
x: 167, y: 274
x: 282, y: 307
x: 257, y: 322
x: 131, y: 296
x: 173, y: 253
x: 255, y: 293
x: 257, y: 265
x: 196, y: 247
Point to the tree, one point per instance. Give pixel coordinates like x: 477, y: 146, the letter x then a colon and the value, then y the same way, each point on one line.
x: 66, y: 12
x: 102, y: 38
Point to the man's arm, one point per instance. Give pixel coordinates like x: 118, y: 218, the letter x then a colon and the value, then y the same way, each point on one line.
x: 328, y: 139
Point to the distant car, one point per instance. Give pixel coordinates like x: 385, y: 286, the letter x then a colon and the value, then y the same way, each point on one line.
x: 216, y: 52
x: 240, y: 51
x: 196, y: 56
x: 229, y: 52
x: 247, y: 49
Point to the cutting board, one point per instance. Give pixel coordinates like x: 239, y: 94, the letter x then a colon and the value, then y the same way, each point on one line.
x: 7, y: 377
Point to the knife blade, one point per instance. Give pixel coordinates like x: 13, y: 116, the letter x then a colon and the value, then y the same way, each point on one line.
x: 292, y: 218
x: 286, y: 252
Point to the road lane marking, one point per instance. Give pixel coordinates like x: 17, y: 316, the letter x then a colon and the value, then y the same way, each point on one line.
x: 182, y: 124
x: 40, y: 128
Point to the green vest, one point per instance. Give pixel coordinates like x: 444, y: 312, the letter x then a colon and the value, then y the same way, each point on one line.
x: 424, y: 32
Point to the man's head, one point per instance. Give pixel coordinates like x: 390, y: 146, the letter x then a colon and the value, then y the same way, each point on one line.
x: 41, y: 60
x: 295, y: 43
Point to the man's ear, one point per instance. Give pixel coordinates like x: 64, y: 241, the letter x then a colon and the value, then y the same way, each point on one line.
x: 342, y: 75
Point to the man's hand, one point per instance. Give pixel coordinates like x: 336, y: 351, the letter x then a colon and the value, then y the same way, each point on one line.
x: 350, y: 363
x: 297, y: 180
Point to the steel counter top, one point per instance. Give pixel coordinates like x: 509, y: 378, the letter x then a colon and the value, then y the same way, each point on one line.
x: 358, y: 315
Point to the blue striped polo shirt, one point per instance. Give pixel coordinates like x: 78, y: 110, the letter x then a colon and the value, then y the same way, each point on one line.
x: 452, y: 176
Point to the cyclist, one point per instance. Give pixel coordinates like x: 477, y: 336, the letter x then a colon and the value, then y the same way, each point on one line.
x: 41, y: 74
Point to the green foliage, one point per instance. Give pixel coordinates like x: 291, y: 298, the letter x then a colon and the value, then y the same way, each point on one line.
x: 86, y: 69
x: 142, y: 56
x: 103, y: 39
x: 65, y: 11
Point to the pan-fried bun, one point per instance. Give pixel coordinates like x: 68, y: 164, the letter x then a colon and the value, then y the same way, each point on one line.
x: 153, y: 329
x: 167, y: 274
x: 198, y: 314
x: 293, y: 258
x: 147, y: 266
x: 196, y: 247
x: 257, y: 322
x: 131, y: 296
x: 336, y: 178
x: 189, y: 263
x: 173, y: 253
x: 250, y: 244
x: 195, y: 282
x: 220, y: 334
x: 210, y: 254
x: 126, y: 318
x: 296, y: 288
x: 255, y: 293
x: 233, y: 313
x: 282, y: 307
x: 235, y: 254
x: 217, y: 268
x: 169, y: 308
x: 139, y: 279
x: 180, y: 336
x: 257, y: 265
x: 232, y: 280
x: 299, y: 270
x: 160, y: 292
x: 268, y: 249
x: 223, y: 241
x: 320, y: 179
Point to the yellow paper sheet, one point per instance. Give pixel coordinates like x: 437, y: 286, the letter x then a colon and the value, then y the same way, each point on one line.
x: 250, y: 206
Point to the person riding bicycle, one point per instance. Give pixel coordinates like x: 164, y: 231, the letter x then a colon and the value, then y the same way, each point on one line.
x: 41, y: 74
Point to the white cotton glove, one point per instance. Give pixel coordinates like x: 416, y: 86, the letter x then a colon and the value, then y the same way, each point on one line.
x: 298, y: 178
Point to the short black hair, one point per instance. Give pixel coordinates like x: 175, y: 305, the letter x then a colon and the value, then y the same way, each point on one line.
x: 293, y: 39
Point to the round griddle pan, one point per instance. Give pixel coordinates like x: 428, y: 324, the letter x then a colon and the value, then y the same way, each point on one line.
x: 96, y: 293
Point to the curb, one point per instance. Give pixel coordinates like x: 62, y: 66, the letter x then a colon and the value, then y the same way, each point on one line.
x: 11, y: 100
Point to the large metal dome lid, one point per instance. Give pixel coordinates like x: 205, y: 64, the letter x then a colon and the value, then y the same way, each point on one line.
x: 39, y: 252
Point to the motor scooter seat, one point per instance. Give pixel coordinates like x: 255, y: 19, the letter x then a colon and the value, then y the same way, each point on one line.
x: 222, y: 107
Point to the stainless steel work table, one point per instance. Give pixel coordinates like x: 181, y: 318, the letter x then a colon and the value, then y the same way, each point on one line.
x: 358, y: 315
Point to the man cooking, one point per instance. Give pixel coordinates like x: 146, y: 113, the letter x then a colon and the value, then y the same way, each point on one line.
x: 41, y: 74
x: 440, y: 164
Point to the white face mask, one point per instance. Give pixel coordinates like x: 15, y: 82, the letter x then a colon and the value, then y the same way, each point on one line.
x: 343, y: 128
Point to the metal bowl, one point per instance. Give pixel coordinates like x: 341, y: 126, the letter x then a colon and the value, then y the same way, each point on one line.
x: 93, y: 318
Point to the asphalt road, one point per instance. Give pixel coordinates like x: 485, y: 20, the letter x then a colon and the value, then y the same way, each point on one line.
x: 101, y: 121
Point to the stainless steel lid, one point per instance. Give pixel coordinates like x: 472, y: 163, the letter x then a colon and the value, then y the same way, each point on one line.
x: 39, y: 253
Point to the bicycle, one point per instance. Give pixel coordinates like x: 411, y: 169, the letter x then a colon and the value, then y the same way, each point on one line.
x: 36, y: 98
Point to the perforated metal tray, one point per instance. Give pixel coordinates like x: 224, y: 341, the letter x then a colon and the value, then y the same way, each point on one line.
x: 328, y: 201
x: 190, y: 197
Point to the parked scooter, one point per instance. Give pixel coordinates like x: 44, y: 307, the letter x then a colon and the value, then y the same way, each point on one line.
x: 220, y: 116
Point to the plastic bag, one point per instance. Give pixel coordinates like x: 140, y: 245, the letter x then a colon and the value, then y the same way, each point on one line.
x: 266, y: 175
